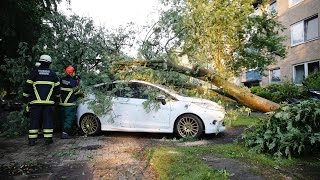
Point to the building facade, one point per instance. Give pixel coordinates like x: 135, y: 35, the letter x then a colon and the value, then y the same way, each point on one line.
x: 301, y: 20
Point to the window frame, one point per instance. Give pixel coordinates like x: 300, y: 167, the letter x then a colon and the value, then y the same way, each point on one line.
x: 270, y: 75
x: 306, y: 69
x: 275, y: 10
x: 304, y: 23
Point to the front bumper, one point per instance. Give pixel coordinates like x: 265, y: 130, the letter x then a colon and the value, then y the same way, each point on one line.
x: 215, y: 127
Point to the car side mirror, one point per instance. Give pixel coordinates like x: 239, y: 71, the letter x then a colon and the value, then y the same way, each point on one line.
x: 162, y: 99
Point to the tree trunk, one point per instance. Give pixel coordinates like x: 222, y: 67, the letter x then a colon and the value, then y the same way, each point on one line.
x: 241, y: 95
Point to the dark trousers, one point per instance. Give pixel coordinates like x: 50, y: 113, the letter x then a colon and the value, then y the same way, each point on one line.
x: 68, y: 117
x: 41, y: 115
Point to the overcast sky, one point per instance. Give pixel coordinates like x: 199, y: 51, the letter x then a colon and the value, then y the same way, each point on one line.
x: 113, y: 13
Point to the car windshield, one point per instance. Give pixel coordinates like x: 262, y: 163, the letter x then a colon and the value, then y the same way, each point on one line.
x: 169, y: 90
x: 125, y: 89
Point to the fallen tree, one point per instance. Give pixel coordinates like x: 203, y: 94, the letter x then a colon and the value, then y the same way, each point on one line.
x: 241, y: 95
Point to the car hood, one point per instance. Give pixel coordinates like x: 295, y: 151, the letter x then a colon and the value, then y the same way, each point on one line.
x: 202, y: 102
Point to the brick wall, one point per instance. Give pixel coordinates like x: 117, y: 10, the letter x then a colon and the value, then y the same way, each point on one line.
x: 307, y: 51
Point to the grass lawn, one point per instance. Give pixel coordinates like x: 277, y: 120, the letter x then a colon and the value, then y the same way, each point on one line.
x: 187, y: 162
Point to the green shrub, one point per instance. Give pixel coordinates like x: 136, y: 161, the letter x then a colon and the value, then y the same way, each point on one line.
x: 14, y: 124
x: 279, y: 92
x: 290, y: 131
x: 313, y: 81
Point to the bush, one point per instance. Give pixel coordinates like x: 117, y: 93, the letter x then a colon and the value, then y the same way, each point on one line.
x: 14, y: 124
x: 313, y: 81
x: 279, y: 92
x: 290, y: 131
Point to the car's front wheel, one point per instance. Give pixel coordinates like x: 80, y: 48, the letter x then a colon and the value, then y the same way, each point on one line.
x: 189, y: 125
x: 90, y: 124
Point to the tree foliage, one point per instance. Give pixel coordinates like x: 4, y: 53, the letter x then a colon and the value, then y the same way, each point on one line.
x: 221, y: 34
x: 290, y: 131
x: 279, y: 92
x: 21, y: 26
x: 73, y: 41
x: 78, y: 41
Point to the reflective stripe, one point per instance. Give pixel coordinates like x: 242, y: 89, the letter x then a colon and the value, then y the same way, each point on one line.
x: 66, y: 89
x: 36, y: 92
x: 44, y: 82
x: 67, y: 104
x: 57, y: 83
x: 25, y: 94
x: 47, y: 130
x: 50, y: 94
x: 41, y: 102
x: 29, y: 81
x: 33, y: 136
x: 77, y: 90
x: 47, y: 135
x: 58, y: 95
x: 33, y: 131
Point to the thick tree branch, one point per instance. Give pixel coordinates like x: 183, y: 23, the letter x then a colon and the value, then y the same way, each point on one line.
x: 241, y: 95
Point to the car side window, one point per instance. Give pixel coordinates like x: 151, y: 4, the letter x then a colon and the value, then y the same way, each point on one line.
x: 107, y: 89
x: 131, y: 90
x: 123, y: 90
x: 146, y: 92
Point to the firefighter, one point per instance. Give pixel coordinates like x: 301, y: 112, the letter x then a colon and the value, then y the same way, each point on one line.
x: 70, y: 91
x: 42, y: 91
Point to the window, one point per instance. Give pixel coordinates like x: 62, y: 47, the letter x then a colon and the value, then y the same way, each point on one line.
x: 301, y: 71
x: 294, y: 2
x: 311, y: 28
x: 275, y: 75
x: 304, y: 30
x: 273, y: 7
x: 299, y: 74
x: 313, y: 68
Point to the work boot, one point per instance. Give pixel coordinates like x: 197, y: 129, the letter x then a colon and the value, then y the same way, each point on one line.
x: 65, y: 135
x: 32, y: 142
x: 48, y: 141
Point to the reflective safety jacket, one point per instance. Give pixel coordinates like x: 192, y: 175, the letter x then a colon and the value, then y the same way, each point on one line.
x: 42, y: 87
x: 69, y: 91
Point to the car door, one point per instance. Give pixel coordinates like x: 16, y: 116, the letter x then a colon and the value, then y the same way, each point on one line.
x: 150, y: 114
x: 121, y: 107
x: 134, y: 110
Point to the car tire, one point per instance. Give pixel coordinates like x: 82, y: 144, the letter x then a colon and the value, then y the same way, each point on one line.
x: 90, y: 124
x: 189, y: 125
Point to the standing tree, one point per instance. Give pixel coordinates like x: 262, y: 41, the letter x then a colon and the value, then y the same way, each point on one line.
x: 21, y: 26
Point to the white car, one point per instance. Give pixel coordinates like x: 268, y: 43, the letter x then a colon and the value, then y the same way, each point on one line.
x: 171, y: 113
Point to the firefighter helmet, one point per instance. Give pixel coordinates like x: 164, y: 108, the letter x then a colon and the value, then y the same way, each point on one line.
x: 45, y: 58
x: 70, y: 70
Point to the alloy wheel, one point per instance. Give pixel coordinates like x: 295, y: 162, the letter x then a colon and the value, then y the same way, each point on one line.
x: 188, y: 126
x: 90, y: 124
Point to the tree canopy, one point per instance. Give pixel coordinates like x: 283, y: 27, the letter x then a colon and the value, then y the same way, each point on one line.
x: 224, y: 35
x: 21, y: 26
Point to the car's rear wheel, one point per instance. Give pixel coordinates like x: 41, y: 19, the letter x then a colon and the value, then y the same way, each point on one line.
x: 90, y: 124
x: 189, y: 125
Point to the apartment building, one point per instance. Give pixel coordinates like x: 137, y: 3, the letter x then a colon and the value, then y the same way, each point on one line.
x: 301, y: 20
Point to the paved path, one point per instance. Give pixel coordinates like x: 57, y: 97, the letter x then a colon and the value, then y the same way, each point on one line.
x: 102, y: 157
x: 115, y: 156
